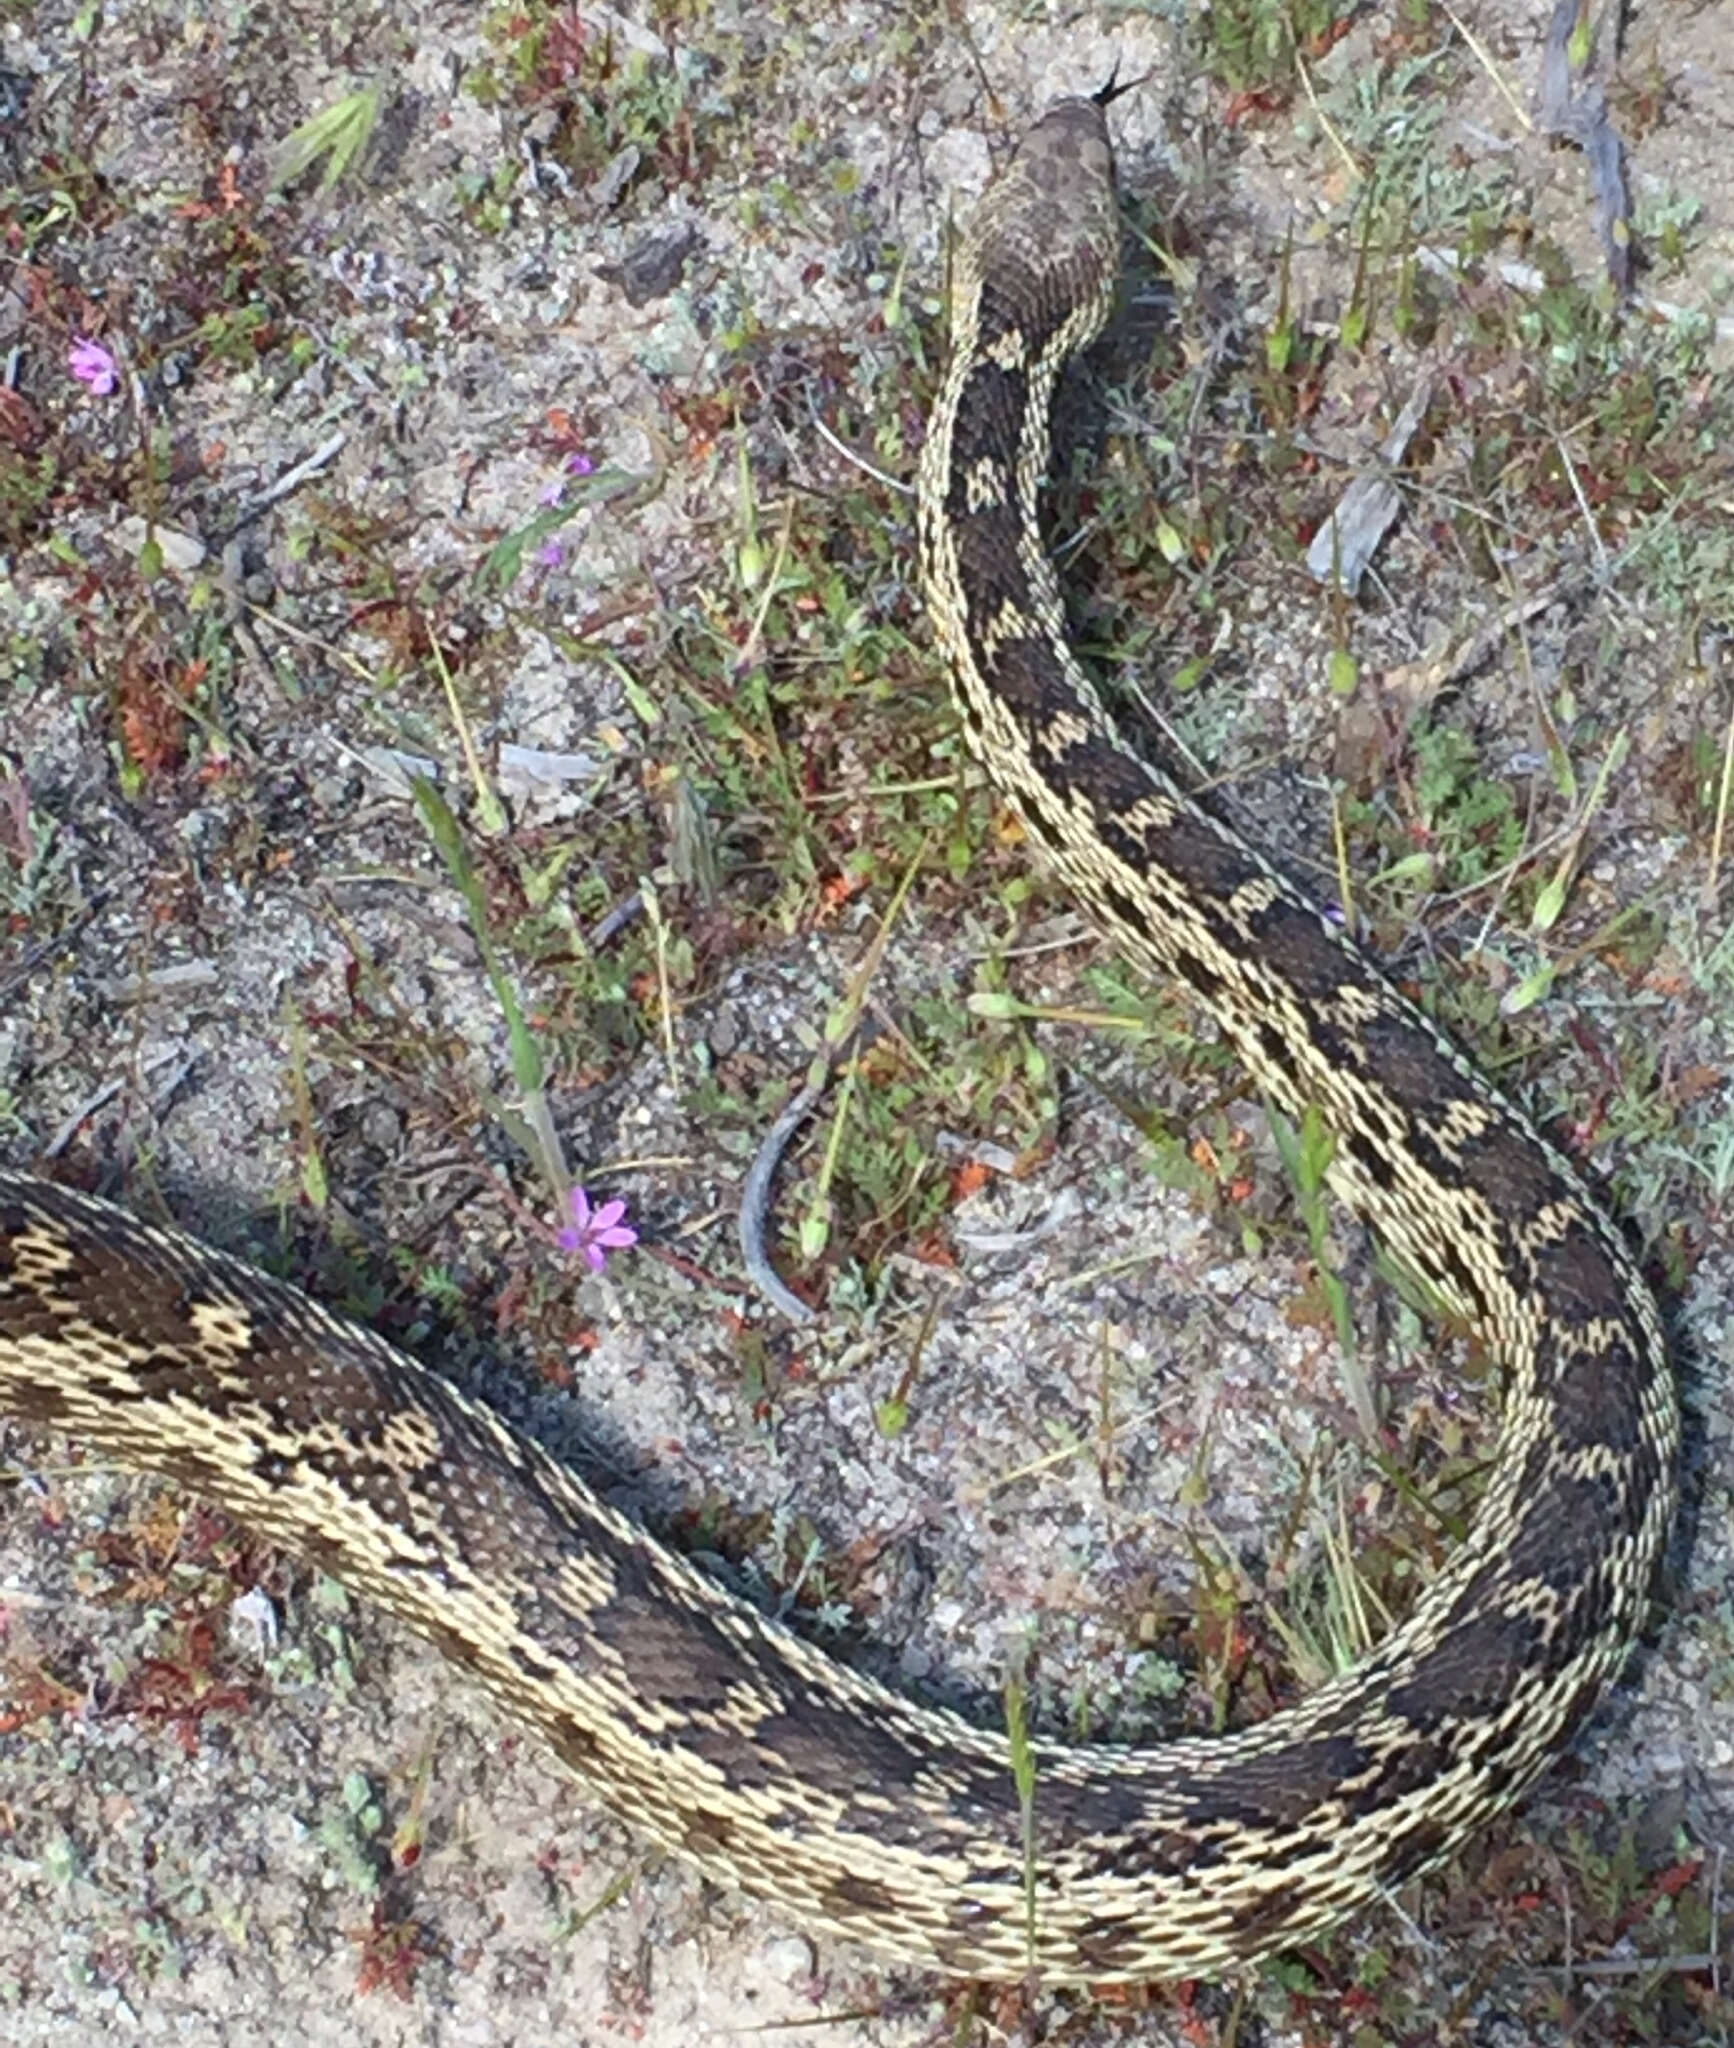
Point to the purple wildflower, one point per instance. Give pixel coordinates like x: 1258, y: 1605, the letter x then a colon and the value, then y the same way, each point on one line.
x: 551, y: 553
x: 576, y: 464
x: 596, y: 1232
x: 92, y: 365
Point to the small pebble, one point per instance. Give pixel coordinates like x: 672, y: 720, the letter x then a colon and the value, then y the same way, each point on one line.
x: 790, y: 1958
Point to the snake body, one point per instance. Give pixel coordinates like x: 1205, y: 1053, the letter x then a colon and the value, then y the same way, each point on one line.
x: 730, y: 1739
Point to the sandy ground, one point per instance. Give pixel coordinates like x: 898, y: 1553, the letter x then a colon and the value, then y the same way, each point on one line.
x: 219, y: 1870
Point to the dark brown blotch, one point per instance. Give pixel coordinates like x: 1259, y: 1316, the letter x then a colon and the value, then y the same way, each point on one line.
x: 276, y: 1468
x: 1413, y: 1850
x: 1570, y: 1520
x: 1176, y: 1854
x: 1130, y: 913
x: 1459, y: 1278
x: 1028, y: 680
x: 990, y: 410
x: 455, y: 1648
x: 1470, y: 1672
x: 1411, y: 1066
x: 576, y: 1747
x: 1043, y: 827
x: 850, y: 1894
x: 1299, y: 946
x: 1108, y: 1946
x: 1285, y: 1788
x: 705, y: 1836
x: 1199, y: 857
x: 1576, y: 1275
x: 1595, y: 1394
x: 667, y: 1653
x: 36, y: 1400
x: 14, y: 1221
x: 1270, y: 1914
x: 1510, y: 1170
x: 1374, y: 1161
x: 988, y: 565
x: 1110, y: 781
x: 1103, y: 1809
x: 1192, y: 970
x: 826, y: 1747
x: 162, y: 1375
x: 1019, y: 299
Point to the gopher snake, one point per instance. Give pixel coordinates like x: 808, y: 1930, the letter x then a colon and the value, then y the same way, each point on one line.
x: 737, y: 1743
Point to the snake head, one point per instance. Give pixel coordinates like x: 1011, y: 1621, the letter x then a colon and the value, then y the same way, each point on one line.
x: 1045, y: 240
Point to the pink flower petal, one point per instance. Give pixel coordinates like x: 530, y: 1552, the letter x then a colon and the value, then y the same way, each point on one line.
x: 92, y: 365
x: 596, y: 1232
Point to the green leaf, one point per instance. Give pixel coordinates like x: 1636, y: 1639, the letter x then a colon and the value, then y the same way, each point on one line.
x: 339, y: 134
x: 892, y: 1416
x: 442, y: 828
x: 1577, y: 49
x: 1548, y: 904
x: 1413, y: 867
x: 644, y: 706
x: 1023, y: 1763
x: 1529, y: 991
x: 505, y: 559
x: 816, y: 1228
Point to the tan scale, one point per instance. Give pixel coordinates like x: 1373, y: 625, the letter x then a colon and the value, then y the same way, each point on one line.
x: 1252, y: 897
x: 985, y: 485
x: 1008, y: 352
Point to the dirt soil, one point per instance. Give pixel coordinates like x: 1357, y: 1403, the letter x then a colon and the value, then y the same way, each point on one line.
x: 473, y: 458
